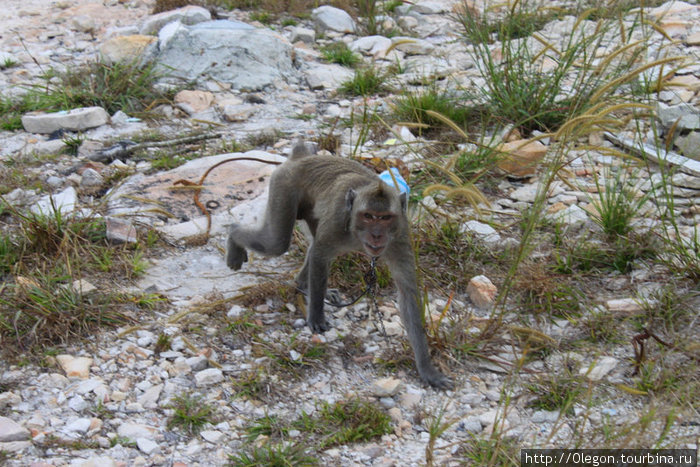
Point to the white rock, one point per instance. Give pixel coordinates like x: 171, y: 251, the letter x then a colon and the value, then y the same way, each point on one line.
x: 526, y: 193
x: 545, y: 416
x: 188, y: 15
x: 303, y: 34
x: 376, y: 46
x: 101, y: 461
x: 483, y: 231
x: 64, y: 202
x: 429, y: 7
x: 230, y: 52
x: 412, y: 45
x: 410, y: 399
x: 208, y: 377
x: 135, y: 431
x: 482, y: 291
x: 77, y: 403
x: 386, y: 387
x: 79, y: 425
x: 572, y: 215
x: 687, y: 115
x: 212, y: 436
x: 149, y: 399
x: 75, y: 366
x: 327, y: 76
x: 599, y: 369
x: 147, y: 446
x: 12, y: 431
x: 74, y: 120
x: 328, y: 18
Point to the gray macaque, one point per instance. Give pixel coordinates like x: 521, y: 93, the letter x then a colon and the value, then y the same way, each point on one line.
x: 347, y: 208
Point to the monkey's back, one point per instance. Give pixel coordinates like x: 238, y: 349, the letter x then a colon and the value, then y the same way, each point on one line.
x: 322, y: 182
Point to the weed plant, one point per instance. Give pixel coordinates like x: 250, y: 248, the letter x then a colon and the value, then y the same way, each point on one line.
x: 41, y: 255
x: 496, y: 451
x: 366, y: 82
x: 616, y: 204
x: 276, y: 455
x: 340, y: 53
x: 121, y: 86
x: 538, y: 85
x: 557, y: 392
x: 420, y: 106
x: 191, y: 413
x: 349, y: 421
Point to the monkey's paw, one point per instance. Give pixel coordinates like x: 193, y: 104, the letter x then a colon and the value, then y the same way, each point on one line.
x: 235, y: 257
x: 436, y: 379
x: 318, y: 326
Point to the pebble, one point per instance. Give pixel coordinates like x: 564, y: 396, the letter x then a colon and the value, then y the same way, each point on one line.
x: 12, y: 431
x: 386, y: 387
x: 75, y: 366
x: 208, y: 377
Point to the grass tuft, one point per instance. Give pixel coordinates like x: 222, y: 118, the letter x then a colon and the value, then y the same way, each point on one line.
x: 279, y: 455
x: 122, y: 86
x: 340, y: 53
x: 191, y: 413
x: 367, y: 81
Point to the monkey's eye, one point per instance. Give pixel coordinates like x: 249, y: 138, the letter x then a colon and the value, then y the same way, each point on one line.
x: 368, y: 216
x: 386, y: 217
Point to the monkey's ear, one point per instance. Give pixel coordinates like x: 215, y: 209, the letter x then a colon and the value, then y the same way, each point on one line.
x: 404, y: 201
x: 349, y: 199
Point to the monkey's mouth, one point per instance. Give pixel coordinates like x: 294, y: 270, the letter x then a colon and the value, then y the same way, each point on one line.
x: 374, y: 250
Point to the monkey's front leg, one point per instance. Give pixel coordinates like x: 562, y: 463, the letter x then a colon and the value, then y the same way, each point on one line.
x: 317, y: 266
x: 403, y: 270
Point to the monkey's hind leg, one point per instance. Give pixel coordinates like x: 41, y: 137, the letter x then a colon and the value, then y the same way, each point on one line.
x: 235, y: 254
x: 273, y: 237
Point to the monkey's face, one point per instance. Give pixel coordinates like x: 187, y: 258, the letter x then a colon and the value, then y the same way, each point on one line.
x: 374, y: 230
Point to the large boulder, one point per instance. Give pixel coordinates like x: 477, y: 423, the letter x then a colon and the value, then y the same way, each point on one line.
x: 228, y: 51
x: 328, y: 18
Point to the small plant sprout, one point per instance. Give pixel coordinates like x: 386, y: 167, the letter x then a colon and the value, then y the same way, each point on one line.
x: 191, y: 413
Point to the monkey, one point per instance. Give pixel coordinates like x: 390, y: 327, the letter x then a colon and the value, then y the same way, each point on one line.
x: 347, y: 208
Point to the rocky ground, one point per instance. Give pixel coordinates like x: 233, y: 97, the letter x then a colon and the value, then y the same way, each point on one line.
x: 239, y: 342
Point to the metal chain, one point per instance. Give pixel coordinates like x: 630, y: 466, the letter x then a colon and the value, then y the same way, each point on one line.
x: 371, y: 292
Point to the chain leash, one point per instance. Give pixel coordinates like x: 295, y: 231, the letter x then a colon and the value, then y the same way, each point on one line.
x: 371, y: 292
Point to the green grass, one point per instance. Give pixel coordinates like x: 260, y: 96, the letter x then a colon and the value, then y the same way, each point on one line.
x: 349, y: 421
x: 40, y: 258
x: 344, y: 422
x: 191, y: 413
x: 519, y: 92
x: 522, y: 19
x: 415, y: 107
x: 121, y: 86
x: 277, y: 455
x: 367, y: 81
x: 496, y: 451
x: 557, y: 392
x: 8, y: 63
x: 616, y: 203
x: 340, y: 53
